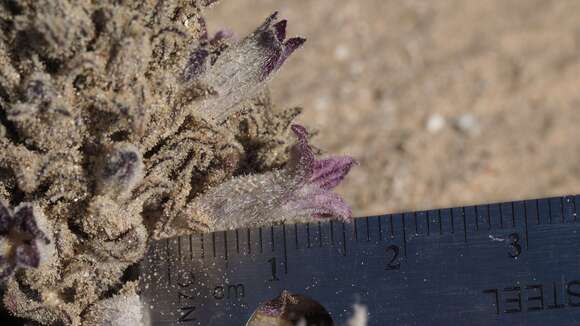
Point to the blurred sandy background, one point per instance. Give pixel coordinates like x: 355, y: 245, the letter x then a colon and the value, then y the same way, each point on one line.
x: 443, y: 102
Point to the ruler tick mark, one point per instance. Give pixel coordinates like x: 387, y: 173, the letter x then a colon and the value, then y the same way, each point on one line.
x: 513, y: 215
x: 156, y: 253
x: 168, y: 260
x: 476, y: 219
x: 380, y: 220
x: 320, y: 234
x: 428, y: 223
x: 343, y: 239
x: 488, y: 216
x: 179, y: 248
x: 273, y: 239
x: 355, y: 229
x: 296, y: 234
x: 249, y: 242
x: 213, y: 245
x: 226, y: 245
x: 237, y: 242
x: 368, y: 229
x: 331, y: 232
x: 526, y: 224
x: 416, y: 223
x: 202, y: 246
x: 261, y: 240
x: 464, y: 224
x: 452, y: 221
x: 574, y: 212
x: 285, y: 249
x: 190, y: 247
x: 562, y: 203
x: 391, y: 228
x: 440, y: 222
x: 500, y: 217
x: 308, y: 235
x: 549, y: 212
x: 404, y: 236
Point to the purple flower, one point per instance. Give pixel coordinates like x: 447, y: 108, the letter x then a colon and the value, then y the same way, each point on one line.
x: 317, y: 178
x: 301, y: 191
x: 237, y: 72
x: 21, y: 239
x: 271, y: 36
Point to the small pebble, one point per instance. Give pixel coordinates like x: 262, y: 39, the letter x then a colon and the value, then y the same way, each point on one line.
x: 341, y: 52
x: 435, y: 123
x: 468, y: 124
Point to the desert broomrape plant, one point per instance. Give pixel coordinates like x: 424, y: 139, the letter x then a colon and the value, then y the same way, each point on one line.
x: 124, y: 122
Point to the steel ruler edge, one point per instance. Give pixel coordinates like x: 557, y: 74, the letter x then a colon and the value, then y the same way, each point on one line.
x: 513, y: 263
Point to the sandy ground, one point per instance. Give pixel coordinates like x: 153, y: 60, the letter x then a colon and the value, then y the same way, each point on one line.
x: 443, y: 102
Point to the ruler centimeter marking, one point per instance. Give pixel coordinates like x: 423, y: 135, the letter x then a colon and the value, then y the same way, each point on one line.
x: 408, y: 232
x: 404, y: 235
x: 526, y: 226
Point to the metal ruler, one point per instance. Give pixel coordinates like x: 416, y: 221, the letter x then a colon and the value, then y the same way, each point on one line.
x: 514, y: 263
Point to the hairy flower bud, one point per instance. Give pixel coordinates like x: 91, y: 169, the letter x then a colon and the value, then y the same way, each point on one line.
x: 121, y: 170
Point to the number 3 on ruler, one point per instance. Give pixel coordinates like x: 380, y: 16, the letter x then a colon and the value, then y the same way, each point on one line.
x: 393, y: 263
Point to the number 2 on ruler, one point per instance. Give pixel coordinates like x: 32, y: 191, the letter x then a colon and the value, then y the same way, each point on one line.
x: 394, y: 262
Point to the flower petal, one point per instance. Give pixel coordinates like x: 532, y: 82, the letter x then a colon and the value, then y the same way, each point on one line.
x: 302, y: 159
x: 289, y: 47
x: 321, y: 204
x: 328, y: 173
x: 25, y: 220
x: 280, y: 30
x: 27, y: 256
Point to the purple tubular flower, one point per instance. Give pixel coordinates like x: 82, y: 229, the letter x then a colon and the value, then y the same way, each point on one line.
x: 239, y: 71
x: 301, y: 191
x: 20, y: 239
x: 318, y: 178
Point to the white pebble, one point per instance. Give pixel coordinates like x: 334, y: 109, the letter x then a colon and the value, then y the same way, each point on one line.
x: 435, y: 123
x: 468, y: 124
x: 341, y: 52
